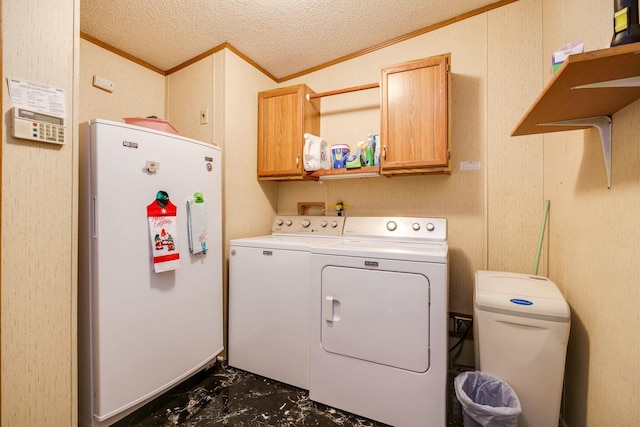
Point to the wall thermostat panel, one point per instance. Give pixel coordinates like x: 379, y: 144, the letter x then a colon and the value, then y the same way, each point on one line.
x: 37, y: 126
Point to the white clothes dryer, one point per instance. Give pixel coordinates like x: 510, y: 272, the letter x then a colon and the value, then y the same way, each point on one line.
x: 269, y: 297
x: 379, y: 307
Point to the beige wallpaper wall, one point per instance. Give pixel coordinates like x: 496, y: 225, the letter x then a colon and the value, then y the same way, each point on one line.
x: 594, y: 245
x: 139, y: 92
x: 39, y: 202
x: 249, y: 204
x: 514, y: 192
x: 190, y: 92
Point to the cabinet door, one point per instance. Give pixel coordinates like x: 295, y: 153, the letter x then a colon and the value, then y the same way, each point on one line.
x: 415, y: 117
x: 284, y: 115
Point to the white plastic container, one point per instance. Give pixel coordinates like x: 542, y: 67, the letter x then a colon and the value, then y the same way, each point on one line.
x: 376, y: 150
x: 151, y: 123
x: 339, y: 154
x: 316, y: 153
x: 521, y: 330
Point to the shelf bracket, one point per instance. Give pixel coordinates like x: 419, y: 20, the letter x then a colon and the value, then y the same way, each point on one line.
x: 603, y: 123
x: 626, y: 82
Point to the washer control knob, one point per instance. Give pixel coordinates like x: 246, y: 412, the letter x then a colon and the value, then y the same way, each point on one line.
x: 323, y: 223
x: 416, y: 226
x: 334, y: 224
x: 279, y: 222
x: 288, y: 222
x: 391, y: 225
x: 306, y: 223
x: 430, y: 226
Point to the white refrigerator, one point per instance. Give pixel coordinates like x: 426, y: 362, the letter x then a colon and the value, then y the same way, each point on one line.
x: 150, y: 265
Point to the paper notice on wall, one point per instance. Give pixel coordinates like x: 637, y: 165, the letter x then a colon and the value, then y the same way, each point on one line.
x: 470, y: 166
x: 37, y: 97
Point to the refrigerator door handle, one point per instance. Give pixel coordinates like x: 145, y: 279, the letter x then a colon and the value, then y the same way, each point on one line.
x: 94, y: 225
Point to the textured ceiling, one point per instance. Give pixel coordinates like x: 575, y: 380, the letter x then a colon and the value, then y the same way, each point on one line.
x: 284, y: 37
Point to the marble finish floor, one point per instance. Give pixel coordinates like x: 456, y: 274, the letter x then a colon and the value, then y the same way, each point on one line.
x: 225, y: 396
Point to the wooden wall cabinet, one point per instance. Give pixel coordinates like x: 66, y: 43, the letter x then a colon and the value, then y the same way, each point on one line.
x: 414, y: 128
x: 284, y: 116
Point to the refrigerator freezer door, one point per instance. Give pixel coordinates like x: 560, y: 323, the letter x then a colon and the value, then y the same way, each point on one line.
x: 148, y: 330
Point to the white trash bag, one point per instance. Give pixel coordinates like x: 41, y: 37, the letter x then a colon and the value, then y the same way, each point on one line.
x: 486, y: 400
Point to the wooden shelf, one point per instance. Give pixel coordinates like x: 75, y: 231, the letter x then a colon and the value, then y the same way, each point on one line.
x: 561, y: 100
x: 363, y: 172
x: 585, y: 92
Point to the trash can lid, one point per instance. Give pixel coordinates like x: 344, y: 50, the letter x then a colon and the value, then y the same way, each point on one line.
x: 520, y: 295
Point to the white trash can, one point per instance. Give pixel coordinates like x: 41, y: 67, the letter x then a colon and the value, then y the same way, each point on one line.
x: 486, y: 400
x: 521, y: 329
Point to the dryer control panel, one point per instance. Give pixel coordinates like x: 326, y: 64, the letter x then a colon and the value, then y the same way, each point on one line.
x: 399, y: 228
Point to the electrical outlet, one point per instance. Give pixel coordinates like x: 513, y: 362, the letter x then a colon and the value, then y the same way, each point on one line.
x: 104, y: 84
x: 204, y: 116
x: 461, y: 324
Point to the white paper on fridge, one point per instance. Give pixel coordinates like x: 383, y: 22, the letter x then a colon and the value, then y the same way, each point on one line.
x: 163, y: 232
x: 197, y: 226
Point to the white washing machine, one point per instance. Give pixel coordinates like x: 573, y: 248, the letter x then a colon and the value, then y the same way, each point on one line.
x: 379, y: 303
x: 269, y: 297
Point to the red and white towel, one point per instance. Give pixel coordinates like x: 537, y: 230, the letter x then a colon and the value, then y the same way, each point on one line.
x: 163, y: 232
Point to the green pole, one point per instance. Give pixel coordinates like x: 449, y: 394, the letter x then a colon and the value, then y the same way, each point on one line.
x: 541, y: 238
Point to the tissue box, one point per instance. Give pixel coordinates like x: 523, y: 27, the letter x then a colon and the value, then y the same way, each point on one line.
x: 559, y: 56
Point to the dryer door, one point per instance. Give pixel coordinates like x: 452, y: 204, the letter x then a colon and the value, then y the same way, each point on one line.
x: 377, y: 316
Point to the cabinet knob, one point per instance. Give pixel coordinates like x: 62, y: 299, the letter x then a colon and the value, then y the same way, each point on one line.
x: 298, y: 161
x: 384, y: 152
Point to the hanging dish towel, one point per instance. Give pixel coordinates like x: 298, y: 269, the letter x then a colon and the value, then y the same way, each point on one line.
x: 163, y: 231
x: 197, y: 224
